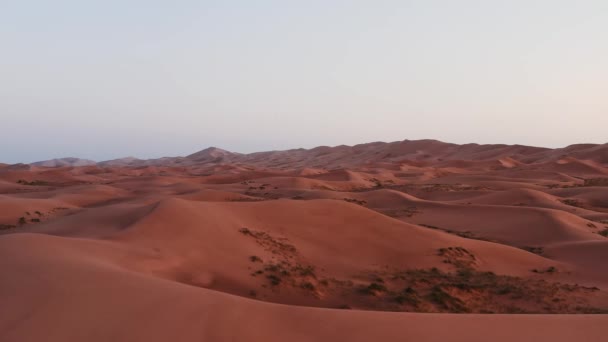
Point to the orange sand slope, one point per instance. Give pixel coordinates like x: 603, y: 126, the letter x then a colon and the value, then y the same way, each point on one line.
x: 374, y: 241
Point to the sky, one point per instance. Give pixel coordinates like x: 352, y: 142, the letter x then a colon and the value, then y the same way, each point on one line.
x: 115, y: 78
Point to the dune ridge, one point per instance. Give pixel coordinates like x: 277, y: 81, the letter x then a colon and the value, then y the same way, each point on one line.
x: 351, y: 243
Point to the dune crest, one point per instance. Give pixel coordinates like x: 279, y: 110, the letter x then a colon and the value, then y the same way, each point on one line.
x: 349, y: 243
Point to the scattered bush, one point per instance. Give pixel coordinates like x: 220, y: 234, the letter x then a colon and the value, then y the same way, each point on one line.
x: 373, y: 289
x: 255, y: 258
x: 307, y: 286
x: 34, y: 183
x: 274, y: 280
x: 535, y: 250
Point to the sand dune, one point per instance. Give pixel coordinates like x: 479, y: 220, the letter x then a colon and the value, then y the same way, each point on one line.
x: 349, y: 243
x: 172, y: 311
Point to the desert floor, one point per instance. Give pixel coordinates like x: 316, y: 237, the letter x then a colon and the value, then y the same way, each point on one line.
x: 420, y: 241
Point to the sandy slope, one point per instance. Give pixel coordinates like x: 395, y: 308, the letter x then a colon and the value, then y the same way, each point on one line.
x: 304, y: 245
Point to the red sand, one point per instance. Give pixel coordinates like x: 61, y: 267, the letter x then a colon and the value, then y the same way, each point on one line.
x: 371, y: 242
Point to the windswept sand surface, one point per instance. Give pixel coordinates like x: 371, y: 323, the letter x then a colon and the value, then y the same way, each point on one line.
x: 414, y: 240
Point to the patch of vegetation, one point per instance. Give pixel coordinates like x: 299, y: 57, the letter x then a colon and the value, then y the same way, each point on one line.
x: 307, y: 286
x: 305, y: 271
x: 457, y: 256
x: 446, y: 301
x: 572, y: 202
x: 7, y: 226
x: 373, y: 289
x: 354, y: 200
x: 21, y: 221
x: 604, y: 232
x: 377, y: 182
x: 34, y: 183
x: 279, y: 246
x: 466, y: 234
x: 255, y: 258
x: 596, y: 182
x: 407, y: 296
x: 535, y: 250
x: 274, y: 280
x: 469, y: 290
x: 550, y: 269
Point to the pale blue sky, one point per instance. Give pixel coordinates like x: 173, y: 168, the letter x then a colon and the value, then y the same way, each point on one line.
x: 107, y: 79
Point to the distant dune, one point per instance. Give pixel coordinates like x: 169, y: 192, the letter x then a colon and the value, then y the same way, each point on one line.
x: 429, y: 152
x: 64, y: 162
x: 412, y: 240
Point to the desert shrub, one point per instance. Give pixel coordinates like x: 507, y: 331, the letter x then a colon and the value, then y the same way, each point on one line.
x: 307, y: 286
x: 255, y: 258
x: 274, y: 280
x: 550, y: 269
x: 307, y: 271
x: 571, y: 202
x: 407, y: 296
x: 35, y: 182
x: 373, y: 289
x: 445, y: 300
x: 535, y: 250
x: 7, y: 226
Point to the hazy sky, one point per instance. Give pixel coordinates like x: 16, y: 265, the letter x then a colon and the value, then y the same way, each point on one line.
x: 107, y: 79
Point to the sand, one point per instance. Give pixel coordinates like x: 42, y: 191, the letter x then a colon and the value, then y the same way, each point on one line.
x: 412, y: 240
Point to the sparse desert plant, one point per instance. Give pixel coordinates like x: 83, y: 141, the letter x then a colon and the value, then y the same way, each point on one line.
x: 34, y: 183
x: 571, y: 202
x: 307, y: 286
x: 255, y: 258
x: 550, y: 269
x: 22, y: 221
x: 446, y: 301
x: 535, y: 250
x: 407, y: 296
x: 274, y: 280
x: 373, y: 289
x: 354, y: 200
x: 306, y: 271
